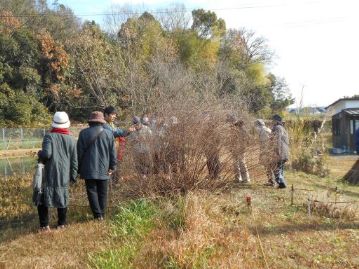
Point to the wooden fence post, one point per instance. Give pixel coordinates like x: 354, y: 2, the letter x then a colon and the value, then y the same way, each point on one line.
x: 309, y: 205
x: 335, y: 197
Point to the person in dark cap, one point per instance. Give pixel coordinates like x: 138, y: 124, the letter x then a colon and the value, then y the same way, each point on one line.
x: 110, y: 116
x: 280, y: 145
x: 97, y: 161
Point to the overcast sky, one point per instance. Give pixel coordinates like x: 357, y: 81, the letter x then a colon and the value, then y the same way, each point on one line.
x: 316, y: 42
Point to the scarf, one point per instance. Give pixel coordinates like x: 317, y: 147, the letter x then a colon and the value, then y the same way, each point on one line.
x: 60, y: 131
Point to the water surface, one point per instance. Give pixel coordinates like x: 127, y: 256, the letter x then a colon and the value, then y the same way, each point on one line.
x: 16, y: 166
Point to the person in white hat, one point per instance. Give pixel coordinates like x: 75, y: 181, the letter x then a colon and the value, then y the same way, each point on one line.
x: 59, y: 155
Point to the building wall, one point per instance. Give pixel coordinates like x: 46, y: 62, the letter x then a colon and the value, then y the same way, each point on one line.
x: 343, y: 104
x: 342, y: 132
x: 353, y: 125
x: 337, y: 131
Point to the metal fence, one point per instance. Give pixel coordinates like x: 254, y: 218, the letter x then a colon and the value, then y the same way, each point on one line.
x: 25, y: 138
x: 16, y: 166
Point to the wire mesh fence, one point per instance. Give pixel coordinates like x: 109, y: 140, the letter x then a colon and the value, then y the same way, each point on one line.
x: 25, y: 138
x: 19, y: 138
x: 12, y: 139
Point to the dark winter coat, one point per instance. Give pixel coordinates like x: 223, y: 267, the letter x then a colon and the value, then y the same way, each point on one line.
x: 60, y: 157
x: 96, y: 159
x: 280, y: 143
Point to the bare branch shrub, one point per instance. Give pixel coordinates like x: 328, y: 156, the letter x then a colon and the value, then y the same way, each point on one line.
x: 180, y: 151
x: 308, y: 149
x: 336, y: 211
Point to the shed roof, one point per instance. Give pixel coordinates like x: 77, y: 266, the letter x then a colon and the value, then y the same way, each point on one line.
x: 352, y: 111
x: 343, y: 99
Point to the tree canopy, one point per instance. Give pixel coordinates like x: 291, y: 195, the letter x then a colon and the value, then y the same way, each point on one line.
x: 50, y: 61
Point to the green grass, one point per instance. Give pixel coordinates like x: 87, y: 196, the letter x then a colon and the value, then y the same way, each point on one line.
x: 173, y: 213
x: 133, y: 222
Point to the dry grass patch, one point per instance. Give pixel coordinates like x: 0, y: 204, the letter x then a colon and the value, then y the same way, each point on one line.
x: 203, y: 229
x: 67, y: 248
x: 340, y: 165
x: 206, y: 239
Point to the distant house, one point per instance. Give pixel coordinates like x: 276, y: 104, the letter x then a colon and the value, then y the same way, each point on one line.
x: 308, y: 110
x: 345, y: 120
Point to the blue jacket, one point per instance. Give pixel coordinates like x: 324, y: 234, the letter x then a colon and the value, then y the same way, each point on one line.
x: 117, y: 132
x: 96, y: 158
x: 357, y: 139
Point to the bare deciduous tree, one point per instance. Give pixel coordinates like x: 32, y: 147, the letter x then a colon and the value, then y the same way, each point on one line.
x: 117, y: 15
x: 174, y: 18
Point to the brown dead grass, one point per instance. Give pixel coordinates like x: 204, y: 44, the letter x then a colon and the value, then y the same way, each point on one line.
x: 18, y: 152
x: 219, y: 231
x: 67, y: 248
x: 340, y: 165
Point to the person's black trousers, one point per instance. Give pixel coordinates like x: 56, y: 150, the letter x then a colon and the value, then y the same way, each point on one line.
x: 97, y: 196
x: 44, y: 215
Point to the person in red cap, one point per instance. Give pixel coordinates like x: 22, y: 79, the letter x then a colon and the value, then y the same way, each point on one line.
x: 97, y: 161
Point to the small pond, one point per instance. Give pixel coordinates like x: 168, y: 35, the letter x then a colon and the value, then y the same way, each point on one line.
x: 16, y: 166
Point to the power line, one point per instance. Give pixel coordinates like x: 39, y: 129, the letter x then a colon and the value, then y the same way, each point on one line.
x: 159, y: 11
x: 183, y: 10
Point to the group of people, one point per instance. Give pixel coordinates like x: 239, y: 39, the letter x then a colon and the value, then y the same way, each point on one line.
x: 93, y: 157
x: 274, y: 150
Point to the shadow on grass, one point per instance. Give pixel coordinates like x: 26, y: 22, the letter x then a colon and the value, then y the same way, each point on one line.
x: 27, y: 223
x: 11, y: 228
x: 286, y: 229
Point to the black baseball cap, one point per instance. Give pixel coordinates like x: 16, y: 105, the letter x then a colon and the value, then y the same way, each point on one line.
x: 109, y: 110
